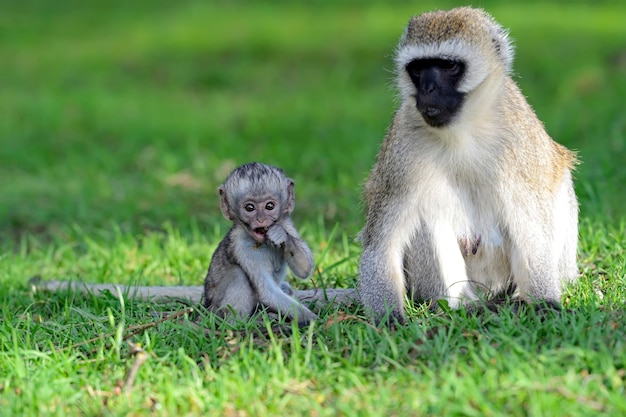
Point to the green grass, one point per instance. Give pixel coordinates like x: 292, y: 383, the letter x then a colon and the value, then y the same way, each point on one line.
x: 120, y: 119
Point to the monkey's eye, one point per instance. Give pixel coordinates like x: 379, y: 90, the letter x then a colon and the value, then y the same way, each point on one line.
x: 414, y: 70
x: 249, y: 207
x: 270, y: 206
x: 450, y: 66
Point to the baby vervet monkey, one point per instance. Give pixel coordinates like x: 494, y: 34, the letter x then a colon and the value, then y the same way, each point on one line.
x: 469, y: 196
x: 249, y: 267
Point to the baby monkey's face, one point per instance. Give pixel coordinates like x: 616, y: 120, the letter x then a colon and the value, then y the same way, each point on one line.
x: 258, y: 214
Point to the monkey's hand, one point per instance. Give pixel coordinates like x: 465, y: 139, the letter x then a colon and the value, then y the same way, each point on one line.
x: 286, y: 288
x: 277, y: 235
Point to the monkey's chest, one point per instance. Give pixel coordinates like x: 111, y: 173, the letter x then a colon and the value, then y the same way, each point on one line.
x: 478, y: 226
x: 276, y: 262
x: 469, y: 210
x: 478, y: 221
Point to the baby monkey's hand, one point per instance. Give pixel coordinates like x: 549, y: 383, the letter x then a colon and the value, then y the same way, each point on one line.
x: 277, y: 235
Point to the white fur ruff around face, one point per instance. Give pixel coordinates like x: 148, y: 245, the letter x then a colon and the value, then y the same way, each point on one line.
x: 477, y: 66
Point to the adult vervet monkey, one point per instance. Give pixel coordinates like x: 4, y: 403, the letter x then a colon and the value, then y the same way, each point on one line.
x: 469, y: 196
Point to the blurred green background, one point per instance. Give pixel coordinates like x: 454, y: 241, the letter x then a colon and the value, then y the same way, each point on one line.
x: 119, y: 120
x: 129, y: 114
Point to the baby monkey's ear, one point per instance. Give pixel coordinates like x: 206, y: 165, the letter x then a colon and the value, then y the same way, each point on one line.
x: 226, y: 209
x: 291, y: 198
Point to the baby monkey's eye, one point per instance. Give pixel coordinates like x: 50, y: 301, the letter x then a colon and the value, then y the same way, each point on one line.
x: 270, y: 206
x: 249, y: 207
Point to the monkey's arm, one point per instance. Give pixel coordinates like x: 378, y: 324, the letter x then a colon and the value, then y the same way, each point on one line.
x: 297, y: 253
x: 272, y: 296
x: 381, y: 283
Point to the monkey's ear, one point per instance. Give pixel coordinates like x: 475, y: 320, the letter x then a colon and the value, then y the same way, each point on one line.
x: 291, y: 199
x: 224, y: 205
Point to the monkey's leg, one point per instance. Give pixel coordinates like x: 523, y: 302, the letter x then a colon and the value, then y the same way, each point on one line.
x: 435, y: 267
x: 534, y: 264
x: 422, y: 271
x: 299, y: 257
x: 239, y: 294
x: 297, y: 253
x: 540, y: 236
x: 566, y: 234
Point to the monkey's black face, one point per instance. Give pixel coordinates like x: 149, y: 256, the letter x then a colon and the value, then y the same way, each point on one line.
x: 436, y: 82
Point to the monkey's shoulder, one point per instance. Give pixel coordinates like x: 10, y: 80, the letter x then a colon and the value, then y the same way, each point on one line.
x: 396, y: 163
x: 224, y: 253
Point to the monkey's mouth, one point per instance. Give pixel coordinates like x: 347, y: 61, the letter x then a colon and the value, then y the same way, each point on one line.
x: 435, y: 116
x: 259, y: 233
x: 439, y: 112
